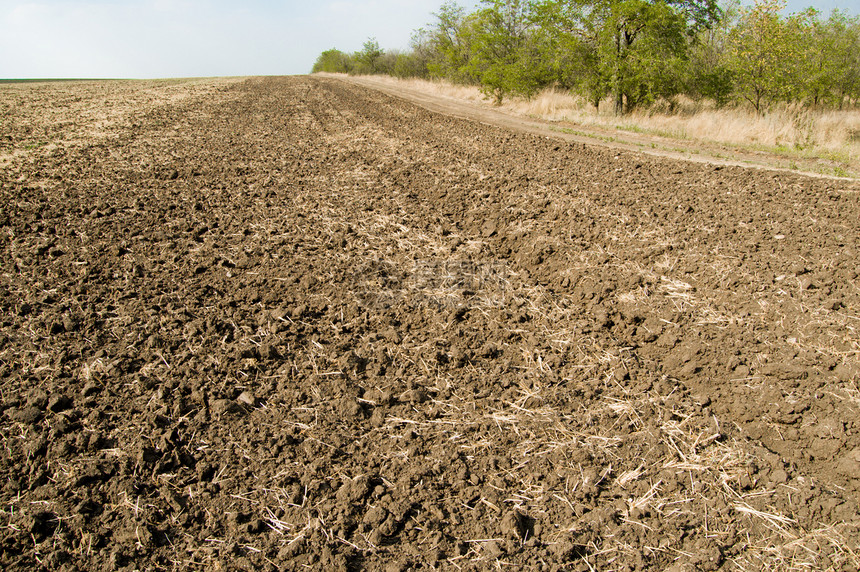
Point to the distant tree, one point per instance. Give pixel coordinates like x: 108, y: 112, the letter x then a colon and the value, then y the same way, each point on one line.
x: 445, y: 43
x: 409, y: 65
x: 386, y: 63
x: 369, y: 59
x: 333, y: 61
x: 416, y: 62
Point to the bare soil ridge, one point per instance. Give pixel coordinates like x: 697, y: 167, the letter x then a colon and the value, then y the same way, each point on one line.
x: 283, y: 323
x: 654, y: 145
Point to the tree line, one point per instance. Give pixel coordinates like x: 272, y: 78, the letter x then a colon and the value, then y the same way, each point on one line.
x: 634, y: 52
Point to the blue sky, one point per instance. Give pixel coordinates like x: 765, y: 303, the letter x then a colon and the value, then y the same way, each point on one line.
x: 184, y: 38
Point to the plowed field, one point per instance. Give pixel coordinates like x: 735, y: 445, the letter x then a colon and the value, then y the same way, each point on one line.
x: 293, y: 323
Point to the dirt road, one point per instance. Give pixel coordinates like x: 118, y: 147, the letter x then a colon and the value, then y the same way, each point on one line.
x: 691, y: 150
x: 285, y: 323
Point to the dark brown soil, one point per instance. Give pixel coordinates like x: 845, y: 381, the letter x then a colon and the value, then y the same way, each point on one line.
x: 291, y: 323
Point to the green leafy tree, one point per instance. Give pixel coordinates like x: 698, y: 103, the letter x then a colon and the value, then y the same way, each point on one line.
x: 645, y: 55
x: 386, y: 63
x: 849, y: 86
x: 833, y: 58
x: 708, y: 72
x: 767, y: 54
x: 506, y: 53
x: 410, y: 64
x: 639, y: 46
x: 576, y: 48
x: 333, y: 61
x: 416, y: 62
x: 446, y: 44
x: 370, y: 59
